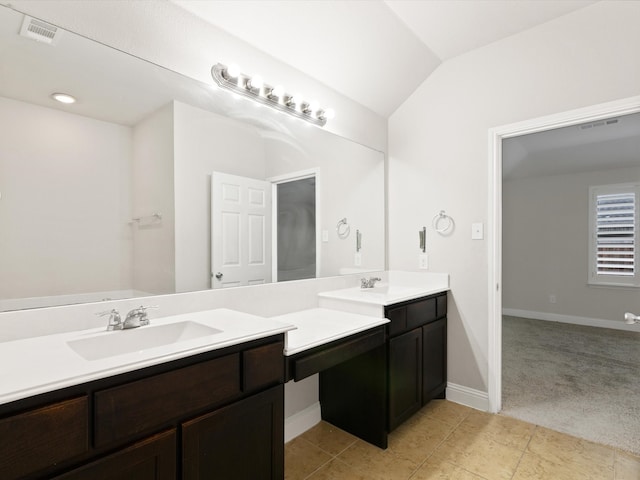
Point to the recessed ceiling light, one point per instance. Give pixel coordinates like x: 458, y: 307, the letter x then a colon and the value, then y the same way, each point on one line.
x: 63, y: 98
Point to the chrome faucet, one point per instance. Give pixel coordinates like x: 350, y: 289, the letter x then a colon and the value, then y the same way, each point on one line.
x: 115, y: 321
x: 136, y: 318
x: 370, y: 283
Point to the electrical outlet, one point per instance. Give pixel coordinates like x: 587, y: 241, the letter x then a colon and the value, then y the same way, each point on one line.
x: 552, y: 298
x: 423, y: 261
x: 357, y: 260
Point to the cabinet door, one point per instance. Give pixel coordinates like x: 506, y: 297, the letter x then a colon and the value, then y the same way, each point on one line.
x: 151, y: 459
x: 244, y: 441
x: 434, y: 358
x: 405, y: 376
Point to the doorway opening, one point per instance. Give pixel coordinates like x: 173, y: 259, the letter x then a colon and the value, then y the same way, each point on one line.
x: 594, y: 115
x: 496, y: 136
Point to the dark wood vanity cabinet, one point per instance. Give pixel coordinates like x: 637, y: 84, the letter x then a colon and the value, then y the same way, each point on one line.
x: 242, y: 441
x: 151, y: 459
x: 417, y: 355
x: 220, y: 411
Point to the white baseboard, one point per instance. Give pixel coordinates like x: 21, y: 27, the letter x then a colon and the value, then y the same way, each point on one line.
x: 302, y: 421
x: 468, y: 396
x: 556, y: 317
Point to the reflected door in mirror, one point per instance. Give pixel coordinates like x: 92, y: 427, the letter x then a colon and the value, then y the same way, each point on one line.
x: 240, y: 231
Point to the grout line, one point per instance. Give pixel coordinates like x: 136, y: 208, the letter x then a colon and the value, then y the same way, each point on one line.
x: 438, y: 446
x: 515, y: 470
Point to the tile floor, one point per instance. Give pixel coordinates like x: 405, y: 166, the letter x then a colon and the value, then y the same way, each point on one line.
x: 447, y: 441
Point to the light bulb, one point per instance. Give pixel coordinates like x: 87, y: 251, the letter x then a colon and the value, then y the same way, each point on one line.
x: 233, y: 70
x: 314, y: 106
x: 329, y: 113
x: 294, y: 100
x: 63, y: 98
x: 277, y: 91
x: 256, y: 82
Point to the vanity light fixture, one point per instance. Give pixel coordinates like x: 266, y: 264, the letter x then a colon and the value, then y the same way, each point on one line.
x: 63, y: 98
x: 254, y: 87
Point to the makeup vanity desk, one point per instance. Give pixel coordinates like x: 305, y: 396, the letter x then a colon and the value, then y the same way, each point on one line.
x: 379, y: 359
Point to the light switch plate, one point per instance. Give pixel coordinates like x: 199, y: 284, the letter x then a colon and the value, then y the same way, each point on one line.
x: 357, y: 260
x: 325, y: 235
x: 477, y: 231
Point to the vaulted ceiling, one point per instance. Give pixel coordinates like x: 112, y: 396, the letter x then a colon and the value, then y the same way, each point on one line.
x: 372, y: 51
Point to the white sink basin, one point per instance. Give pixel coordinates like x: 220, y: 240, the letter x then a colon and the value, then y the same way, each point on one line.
x: 119, y: 342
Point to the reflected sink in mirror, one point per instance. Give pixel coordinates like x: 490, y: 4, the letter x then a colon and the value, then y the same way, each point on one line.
x: 120, y: 342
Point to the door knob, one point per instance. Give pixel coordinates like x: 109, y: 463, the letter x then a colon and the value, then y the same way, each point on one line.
x: 219, y: 275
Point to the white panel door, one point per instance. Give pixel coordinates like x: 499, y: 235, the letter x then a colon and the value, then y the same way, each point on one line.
x: 240, y: 231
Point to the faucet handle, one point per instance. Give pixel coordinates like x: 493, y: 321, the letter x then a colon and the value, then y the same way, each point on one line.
x: 141, y: 313
x: 115, y: 321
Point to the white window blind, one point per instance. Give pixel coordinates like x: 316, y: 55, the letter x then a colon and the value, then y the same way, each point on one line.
x: 613, y: 254
x: 615, y: 234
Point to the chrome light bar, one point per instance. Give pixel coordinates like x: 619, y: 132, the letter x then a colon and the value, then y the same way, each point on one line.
x: 275, y: 97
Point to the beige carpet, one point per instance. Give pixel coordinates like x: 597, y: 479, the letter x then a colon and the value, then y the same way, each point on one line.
x: 583, y: 381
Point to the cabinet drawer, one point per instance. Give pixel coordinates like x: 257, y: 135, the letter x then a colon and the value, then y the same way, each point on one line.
x: 318, y: 359
x: 40, y: 438
x: 262, y: 366
x: 138, y: 407
x: 421, y: 312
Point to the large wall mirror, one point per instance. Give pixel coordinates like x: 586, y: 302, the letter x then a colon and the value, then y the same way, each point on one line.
x: 154, y: 183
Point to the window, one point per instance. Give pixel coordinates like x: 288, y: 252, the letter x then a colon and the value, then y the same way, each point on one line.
x: 613, y: 224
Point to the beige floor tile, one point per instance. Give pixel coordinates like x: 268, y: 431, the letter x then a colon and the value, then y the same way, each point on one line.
x: 563, y: 449
x: 533, y: 467
x: 626, y: 466
x: 302, y: 458
x: 434, y: 470
x: 445, y: 411
x: 504, y: 430
x: 418, y: 437
x: 478, y: 454
x: 329, y: 438
x: 338, y: 470
x: 377, y: 464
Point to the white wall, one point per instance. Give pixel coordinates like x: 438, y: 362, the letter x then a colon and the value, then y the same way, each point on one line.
x: 165, y: 34
x: 438, y: 148
x: 546, y: 244
x: 205, y: 142
x: 52, y: 243
x: 152, y: 178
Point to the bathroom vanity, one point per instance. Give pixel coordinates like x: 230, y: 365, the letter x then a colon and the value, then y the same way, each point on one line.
x: 198, y: 416
x: 194, y: 396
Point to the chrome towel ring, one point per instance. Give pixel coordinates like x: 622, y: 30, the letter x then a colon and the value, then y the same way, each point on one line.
x: 442, y: 223
x: 343, y: 229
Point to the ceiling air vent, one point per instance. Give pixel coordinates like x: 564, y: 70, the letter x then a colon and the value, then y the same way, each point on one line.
x: 40, y: 31
x: 599, y: 123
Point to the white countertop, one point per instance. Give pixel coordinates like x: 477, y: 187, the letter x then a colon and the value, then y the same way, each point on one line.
x: 41, y: 364
x: 318, y: 326
x: 395, y: 287
x: 383, y: 294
